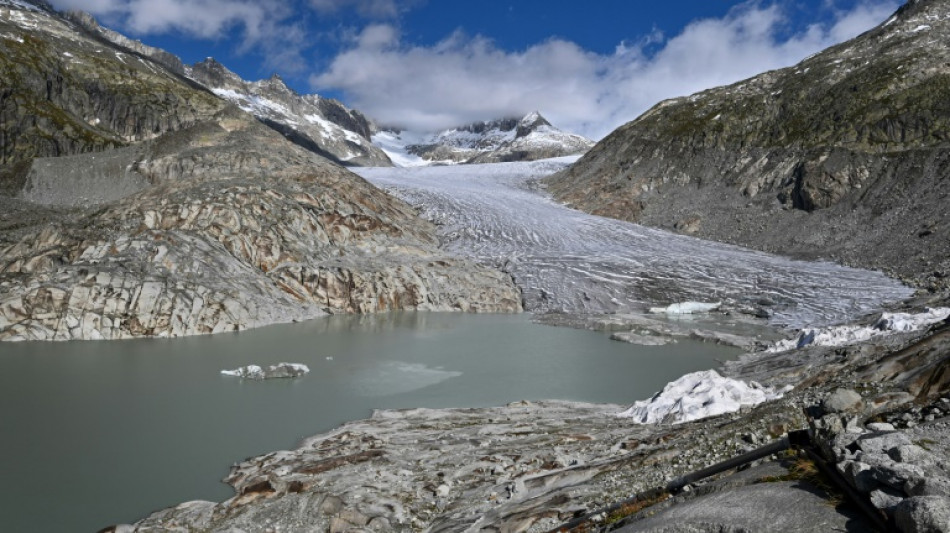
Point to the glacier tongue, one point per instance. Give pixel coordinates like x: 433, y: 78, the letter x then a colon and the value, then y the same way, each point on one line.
x: 568, y: 261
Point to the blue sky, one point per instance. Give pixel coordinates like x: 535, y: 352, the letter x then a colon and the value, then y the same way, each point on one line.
x: 430, y: 64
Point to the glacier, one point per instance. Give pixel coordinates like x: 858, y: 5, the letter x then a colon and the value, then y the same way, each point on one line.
x: 568, y: 261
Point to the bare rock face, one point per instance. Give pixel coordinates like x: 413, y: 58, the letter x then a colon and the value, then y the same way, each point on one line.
x: 237, y: 229
x: 844, y: 155
x: 322, y: 125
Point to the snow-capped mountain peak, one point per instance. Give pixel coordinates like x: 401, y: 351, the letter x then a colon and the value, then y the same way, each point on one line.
x: 531, y: 122
x: 508, y: 139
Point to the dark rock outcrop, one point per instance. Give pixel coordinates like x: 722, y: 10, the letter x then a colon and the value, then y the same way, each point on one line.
x: 844, y: 156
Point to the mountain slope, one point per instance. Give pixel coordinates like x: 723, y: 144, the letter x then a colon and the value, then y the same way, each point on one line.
x: 204, y: 220
x: 322, y: 125
x: 844, y: 155
x: 65, y: 91
x: 529, y: 138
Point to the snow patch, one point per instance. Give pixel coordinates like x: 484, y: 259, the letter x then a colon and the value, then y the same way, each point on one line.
x: 686, y: 308
x: 699, y: 395
x: 280, y: 370
x: 922, y: 27
x: 395, y: 146
x: 846, y: 335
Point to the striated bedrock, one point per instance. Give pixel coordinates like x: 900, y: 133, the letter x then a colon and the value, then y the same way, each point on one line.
x: 237, y: 228
x: 843, y: 156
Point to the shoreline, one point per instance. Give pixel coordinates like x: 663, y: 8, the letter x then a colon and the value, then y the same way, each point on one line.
x: 530, y: 465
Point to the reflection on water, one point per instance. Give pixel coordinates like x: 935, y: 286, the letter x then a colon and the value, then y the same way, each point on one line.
x: 101, y: 432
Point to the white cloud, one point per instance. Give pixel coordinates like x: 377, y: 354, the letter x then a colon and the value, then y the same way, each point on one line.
x: 199, y: 18
x: 263, y: 25
x: 466, y: 78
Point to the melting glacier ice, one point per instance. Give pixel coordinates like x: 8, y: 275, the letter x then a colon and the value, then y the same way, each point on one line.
x: 568, y: 261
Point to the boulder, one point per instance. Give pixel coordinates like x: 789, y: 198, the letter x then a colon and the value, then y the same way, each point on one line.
x: 842, y: 401
x: 923, y: 514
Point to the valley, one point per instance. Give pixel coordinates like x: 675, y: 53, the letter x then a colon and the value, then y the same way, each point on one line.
x: 764, y: 258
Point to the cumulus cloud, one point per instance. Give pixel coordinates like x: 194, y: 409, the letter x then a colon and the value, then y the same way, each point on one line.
x: 465, y: 78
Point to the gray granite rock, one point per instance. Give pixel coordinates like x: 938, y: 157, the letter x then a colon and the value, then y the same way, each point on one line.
x: 923, y: 514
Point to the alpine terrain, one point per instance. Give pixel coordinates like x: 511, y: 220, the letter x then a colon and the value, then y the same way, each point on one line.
x: 322, y: 125
x: 842, y: 156
x: 140, y: 197
x: 169, y: 211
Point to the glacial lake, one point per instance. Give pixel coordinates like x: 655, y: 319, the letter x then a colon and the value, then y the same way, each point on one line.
x: 104, y: 432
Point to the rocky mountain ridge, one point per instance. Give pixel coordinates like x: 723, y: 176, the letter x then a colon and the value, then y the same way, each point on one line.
x: 526, y: 138
x: 322, y: 125
x: 849, y: 147
x: 90, y: 24
x: 176, y: 213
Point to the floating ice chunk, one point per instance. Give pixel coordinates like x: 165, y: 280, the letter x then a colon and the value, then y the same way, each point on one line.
x: 846, y: 335
x: 280, y: 370
x: 699, y: 395
x: 686, y: 308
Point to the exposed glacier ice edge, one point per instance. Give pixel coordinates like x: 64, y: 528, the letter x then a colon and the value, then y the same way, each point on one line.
x: 852, y: 334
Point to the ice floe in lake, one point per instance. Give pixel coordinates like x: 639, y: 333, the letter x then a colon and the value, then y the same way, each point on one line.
x: 280, y: 370
x: 569, y: 261
x: 851, y: 334
x: 699, y: 395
